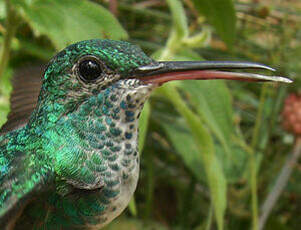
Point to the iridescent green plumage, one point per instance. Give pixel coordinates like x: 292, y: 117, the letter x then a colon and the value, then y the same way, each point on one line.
x: 81, y: 141
x: 75, y: 164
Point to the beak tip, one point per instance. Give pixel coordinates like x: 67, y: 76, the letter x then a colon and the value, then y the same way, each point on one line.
x: 285, y: 80
x: 271, y: 69
x: 261, y: 66
x: 280, y: 79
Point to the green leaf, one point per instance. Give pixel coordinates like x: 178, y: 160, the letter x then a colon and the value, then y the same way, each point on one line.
x: 179, y: 18
x: 182, y: 140
x: 69, y: 21
x: 221, y: 14
x: 213, y: 102
x: 143, y: 124
x: 204, y: 142
x: 5, y: 90
x: 132, y: 207
x: 235, y: 164
x: 2, y: 10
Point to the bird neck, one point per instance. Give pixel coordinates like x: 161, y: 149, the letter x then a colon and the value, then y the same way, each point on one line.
x: 103, y: 129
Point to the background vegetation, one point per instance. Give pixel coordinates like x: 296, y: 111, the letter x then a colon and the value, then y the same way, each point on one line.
x: 211, y: 151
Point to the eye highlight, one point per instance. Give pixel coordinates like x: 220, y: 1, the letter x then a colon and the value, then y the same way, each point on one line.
x: 89, y: 69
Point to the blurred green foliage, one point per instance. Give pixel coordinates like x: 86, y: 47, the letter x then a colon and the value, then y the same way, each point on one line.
x: 211, y: 150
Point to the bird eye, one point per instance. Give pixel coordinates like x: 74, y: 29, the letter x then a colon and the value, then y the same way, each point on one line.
x: 89, y: 70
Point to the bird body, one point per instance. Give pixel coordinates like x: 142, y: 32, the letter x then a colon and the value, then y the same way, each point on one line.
x: 82, y: 146
x: 75, y: 164
x: 95, y: 163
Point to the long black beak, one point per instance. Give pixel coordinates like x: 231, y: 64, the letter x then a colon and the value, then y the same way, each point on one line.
x: 165, y: 71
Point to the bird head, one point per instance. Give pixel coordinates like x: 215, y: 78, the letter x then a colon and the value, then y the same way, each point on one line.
x: 84, y: 70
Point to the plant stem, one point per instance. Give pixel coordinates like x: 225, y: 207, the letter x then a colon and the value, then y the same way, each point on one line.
x: 205, y: 144
x: 253, y: 168
x: 280, y: 184
x: 132, y: 207
x: 259, y: 117
x: 9, y: 34
x: 254, y: 191
x: 150, y: 184
x: 209, y: 218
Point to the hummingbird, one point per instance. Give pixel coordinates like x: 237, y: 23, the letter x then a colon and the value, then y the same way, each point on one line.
x: 75, y: 163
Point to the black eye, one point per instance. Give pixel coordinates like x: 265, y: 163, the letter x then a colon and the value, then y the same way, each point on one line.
x: 89, y: 70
